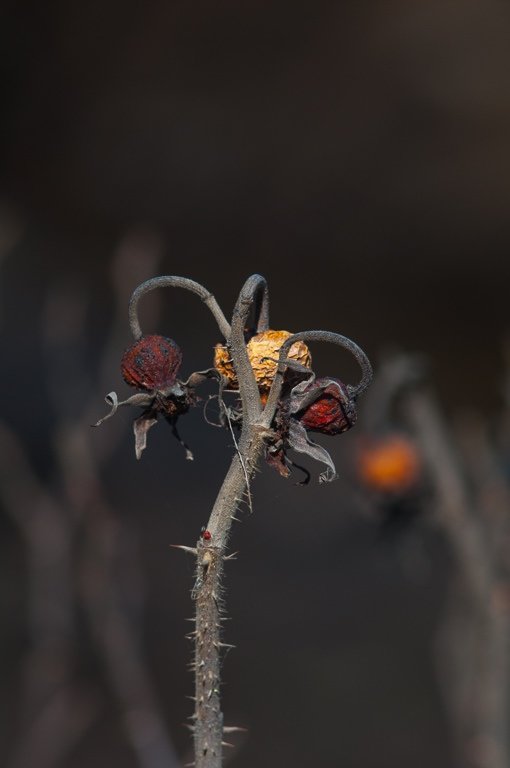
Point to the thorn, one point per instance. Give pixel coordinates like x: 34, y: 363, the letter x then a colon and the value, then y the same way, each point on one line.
x: 226, y: 744
x: 193, y: 698
x: 192, y: 619
x: 234, y: 729
x: 189, y: 727
x: 237, y: 519
x: 190, y: 550
x: 207, y: 558
x: 231, y: 557
x: 226, y: 645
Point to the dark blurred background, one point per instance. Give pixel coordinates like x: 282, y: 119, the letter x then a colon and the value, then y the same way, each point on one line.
x: 357, y: 155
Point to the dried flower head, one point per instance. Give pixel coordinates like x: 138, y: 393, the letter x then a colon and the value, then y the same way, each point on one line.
x: 263, y: 351
x: 321, y: 405
x: 151, y: 365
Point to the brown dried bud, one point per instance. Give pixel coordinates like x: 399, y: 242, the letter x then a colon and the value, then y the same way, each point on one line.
x: 151, y: 363
x: 263, y: 352
x: 333, y: 412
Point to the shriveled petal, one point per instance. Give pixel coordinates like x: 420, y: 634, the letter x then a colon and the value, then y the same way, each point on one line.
x: 299, y: 441
x: 140, y: 399
x: 140, y: 427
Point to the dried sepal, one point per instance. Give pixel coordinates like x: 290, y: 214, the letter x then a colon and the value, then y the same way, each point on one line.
x: 300, y: 441
x: 277, y: 459
x: 140, y: 428
x: 113, y: 401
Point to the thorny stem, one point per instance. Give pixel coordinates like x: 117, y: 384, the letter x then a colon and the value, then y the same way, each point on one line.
x: 210, y: 555
x: 255, y: 431
x: 210, y: 558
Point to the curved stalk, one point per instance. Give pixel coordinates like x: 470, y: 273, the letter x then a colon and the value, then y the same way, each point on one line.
x: 327, y: 336
x: 172, y: 281
x: 261, y: 302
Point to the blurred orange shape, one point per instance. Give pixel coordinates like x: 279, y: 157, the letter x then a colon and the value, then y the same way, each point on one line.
x: 389, y: 465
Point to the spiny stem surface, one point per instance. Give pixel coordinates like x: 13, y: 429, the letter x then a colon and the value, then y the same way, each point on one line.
x: 208, y: 601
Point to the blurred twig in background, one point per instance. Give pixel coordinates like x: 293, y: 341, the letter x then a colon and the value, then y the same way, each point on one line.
x: 81, y: 555
x: 462, y: 489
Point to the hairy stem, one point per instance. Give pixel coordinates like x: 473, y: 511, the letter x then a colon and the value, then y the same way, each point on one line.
x: 211, y: 553
x: 209, y: 605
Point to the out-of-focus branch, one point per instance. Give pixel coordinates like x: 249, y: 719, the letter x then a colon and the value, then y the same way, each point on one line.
x: 53, y: 710
x: 54, y: 717
x: 475, y: 666
x: 101, y: 580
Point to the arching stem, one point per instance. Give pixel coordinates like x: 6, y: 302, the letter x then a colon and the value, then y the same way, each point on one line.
x: 172, y: 281
x: 331, y: 338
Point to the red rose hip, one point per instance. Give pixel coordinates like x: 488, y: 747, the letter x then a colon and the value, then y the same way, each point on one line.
x: 333, y: 412
x: 151, y: 363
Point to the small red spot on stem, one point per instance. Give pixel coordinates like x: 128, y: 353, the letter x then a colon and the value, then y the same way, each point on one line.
x: 206, y: 535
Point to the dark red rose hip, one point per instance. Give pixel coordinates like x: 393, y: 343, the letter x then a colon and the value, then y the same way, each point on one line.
x: 151, y: 363
x: 333, y: 412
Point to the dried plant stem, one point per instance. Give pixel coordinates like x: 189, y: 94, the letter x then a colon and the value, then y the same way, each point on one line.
x: 256, y: 433
x: 211, y: 553
x: 210, y: 559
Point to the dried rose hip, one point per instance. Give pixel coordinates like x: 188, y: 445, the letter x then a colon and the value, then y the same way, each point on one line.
x: 151, y: 363
x: 263, y: 351
x: 333, y: 412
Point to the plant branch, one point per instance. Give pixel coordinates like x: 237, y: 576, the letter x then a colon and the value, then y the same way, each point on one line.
x: 208, y: 728
x: 261, y: 302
